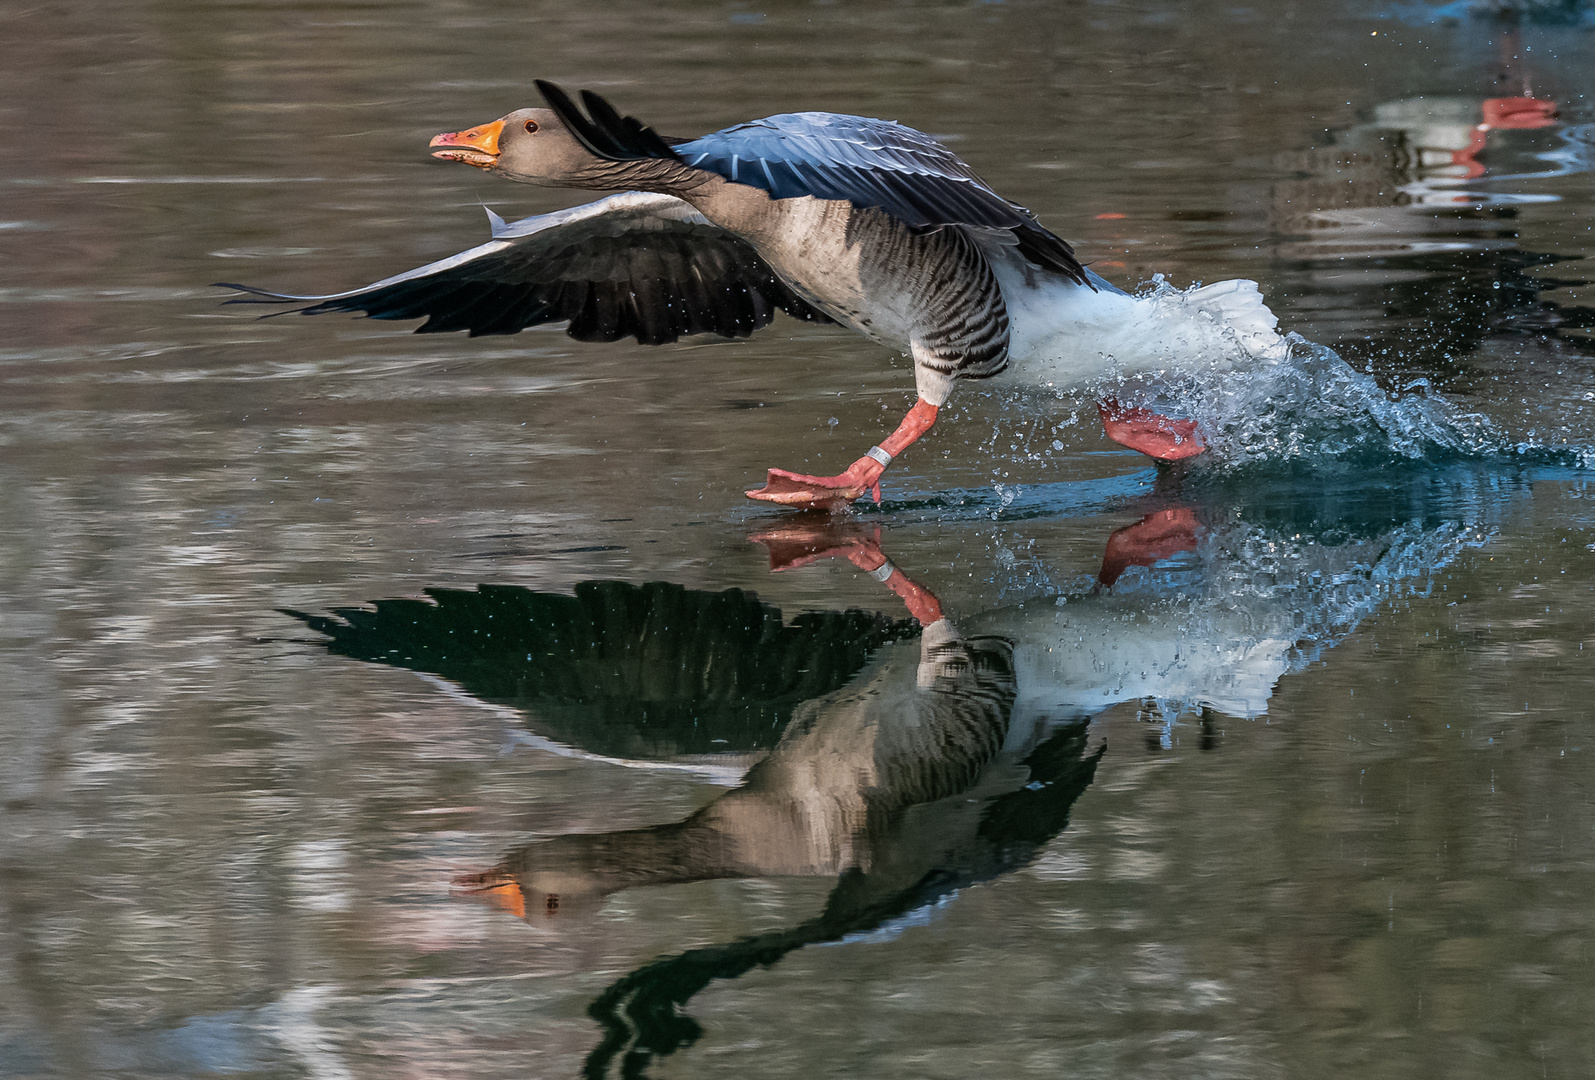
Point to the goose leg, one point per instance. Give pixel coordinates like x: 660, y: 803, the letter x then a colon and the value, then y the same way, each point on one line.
x: 1151, y: 433
x: 803, y: 492
x: 812, y: 540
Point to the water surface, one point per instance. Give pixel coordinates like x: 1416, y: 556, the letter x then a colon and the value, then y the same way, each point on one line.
x: 312, y: 627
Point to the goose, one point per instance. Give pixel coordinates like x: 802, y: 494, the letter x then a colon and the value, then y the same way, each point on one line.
x: 888, y: 718
x: 950, y: 757
x: 828, y: 218
x: 955, y: 758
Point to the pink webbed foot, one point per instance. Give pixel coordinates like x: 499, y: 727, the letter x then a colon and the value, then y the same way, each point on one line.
x: 809, y: 541
x: 803, y: 492
x: 1151, y: 433
x: 808, y: 538
x: 1155, y: 537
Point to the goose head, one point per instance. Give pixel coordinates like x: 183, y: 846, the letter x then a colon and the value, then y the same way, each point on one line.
x: 531, y: 146
x: 537, y: 893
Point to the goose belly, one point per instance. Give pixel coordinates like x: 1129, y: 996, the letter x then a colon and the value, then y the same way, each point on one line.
x: 1081, y: 659
x: 930, y: 293
x: 808, y: 243
x: 1068, y: 336
x: 1235, y: 675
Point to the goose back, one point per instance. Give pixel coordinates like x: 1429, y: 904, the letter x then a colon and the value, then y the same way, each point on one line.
x: 872, y: 164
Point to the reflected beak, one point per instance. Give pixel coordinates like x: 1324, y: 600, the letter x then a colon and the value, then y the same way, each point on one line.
x: 498, y: 887
x: 477, y: 146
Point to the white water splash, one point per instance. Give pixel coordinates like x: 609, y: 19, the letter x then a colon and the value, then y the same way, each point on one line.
x: 1304, y: 403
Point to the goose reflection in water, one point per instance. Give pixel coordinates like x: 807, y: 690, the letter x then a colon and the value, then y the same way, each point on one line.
x: 897, y: 786
x: 905, y: 784
x: 906, y: 759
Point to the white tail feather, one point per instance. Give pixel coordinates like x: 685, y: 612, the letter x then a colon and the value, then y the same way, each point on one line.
x: 1239, y: 305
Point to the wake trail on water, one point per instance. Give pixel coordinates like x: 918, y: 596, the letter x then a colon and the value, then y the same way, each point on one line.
x: 1303, y: 404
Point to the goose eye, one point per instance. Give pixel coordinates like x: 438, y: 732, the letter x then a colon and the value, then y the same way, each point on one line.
x: 531, y: 127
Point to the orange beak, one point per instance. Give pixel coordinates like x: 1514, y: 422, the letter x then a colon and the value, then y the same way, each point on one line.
x: 497, y: 887
x: 477, y: 146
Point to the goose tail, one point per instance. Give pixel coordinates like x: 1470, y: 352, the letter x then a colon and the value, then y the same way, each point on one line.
x: 1239, y: 305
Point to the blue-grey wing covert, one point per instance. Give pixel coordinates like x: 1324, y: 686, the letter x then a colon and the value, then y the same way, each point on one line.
x: 872, y: 164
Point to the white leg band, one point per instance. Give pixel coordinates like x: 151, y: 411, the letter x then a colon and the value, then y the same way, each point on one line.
x: 883, y: 571
x: 879, y: 455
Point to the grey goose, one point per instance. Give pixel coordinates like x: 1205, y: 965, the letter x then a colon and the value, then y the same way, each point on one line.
x: 828, y: 218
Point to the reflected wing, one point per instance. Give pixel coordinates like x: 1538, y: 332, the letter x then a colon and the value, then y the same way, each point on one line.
x: 610, y: 670
x: 872, y: 163
x: 631, y: 265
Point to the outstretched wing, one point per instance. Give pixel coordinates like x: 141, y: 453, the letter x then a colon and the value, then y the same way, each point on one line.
x: 630, y: 265
x: 877, y: 164
x: 870, y: 163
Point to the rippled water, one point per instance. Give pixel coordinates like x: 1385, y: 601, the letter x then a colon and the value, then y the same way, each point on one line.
x: 375, y: 705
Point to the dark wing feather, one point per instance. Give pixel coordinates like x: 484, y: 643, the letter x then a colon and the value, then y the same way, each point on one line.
x: 608, y: 134
x: 875, y: 164
x: 632, y: 265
